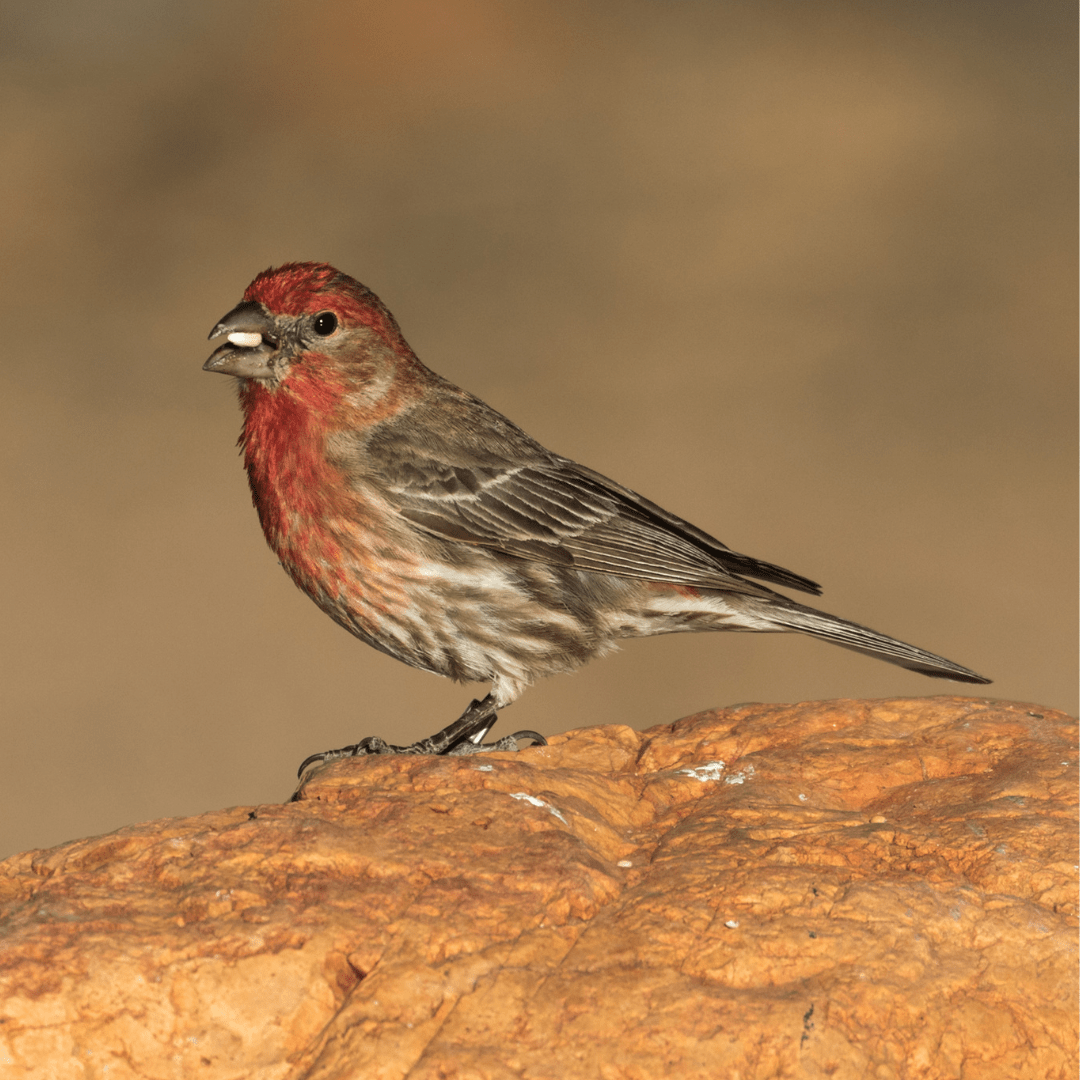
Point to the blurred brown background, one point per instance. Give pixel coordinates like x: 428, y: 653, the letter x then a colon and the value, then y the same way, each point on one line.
x: 801, y: 272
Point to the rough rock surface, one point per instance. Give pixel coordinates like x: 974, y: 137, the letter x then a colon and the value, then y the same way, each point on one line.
x: 832, y: 889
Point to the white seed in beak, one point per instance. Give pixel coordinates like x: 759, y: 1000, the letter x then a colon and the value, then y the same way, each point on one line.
x: 246, y: 341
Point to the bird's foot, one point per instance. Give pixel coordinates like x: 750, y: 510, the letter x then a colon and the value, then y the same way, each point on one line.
x: 374, y: 745
x: 464, y: 736
x: 507, y: 742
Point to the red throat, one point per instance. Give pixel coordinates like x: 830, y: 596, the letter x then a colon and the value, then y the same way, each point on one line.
x: 296, y: 491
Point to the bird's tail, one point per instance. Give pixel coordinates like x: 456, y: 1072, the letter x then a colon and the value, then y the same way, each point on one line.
x: 807, y: 620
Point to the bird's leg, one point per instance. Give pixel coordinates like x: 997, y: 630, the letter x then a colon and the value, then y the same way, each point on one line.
x: 464, y: 736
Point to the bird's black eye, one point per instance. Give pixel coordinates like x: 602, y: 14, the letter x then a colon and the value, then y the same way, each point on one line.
x: 325, y: 323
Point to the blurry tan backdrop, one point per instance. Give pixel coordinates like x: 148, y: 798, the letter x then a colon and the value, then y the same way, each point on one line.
x: 800, y: 271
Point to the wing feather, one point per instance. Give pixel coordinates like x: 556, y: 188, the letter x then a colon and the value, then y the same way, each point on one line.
x: 478, y: 479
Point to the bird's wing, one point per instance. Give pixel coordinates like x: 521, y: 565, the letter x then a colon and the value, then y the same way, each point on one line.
x: 507, y: 492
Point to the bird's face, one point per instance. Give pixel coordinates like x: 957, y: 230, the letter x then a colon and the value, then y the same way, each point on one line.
x: 306, y: 315
x: 260, y: 344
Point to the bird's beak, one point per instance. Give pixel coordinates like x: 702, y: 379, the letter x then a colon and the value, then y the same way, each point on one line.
x: 252, y: 342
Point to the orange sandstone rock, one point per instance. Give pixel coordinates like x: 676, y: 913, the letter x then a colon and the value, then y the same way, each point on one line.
x: 838, y: 889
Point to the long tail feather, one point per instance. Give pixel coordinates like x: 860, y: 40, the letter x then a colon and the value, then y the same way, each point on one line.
x: 849, y: 635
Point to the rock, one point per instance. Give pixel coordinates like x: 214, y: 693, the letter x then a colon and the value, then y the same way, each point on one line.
x: 832, y: 889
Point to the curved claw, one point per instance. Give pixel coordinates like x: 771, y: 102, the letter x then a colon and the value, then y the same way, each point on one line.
x: 309, y: 760
x: 537, y: 738
x: 371, y: 745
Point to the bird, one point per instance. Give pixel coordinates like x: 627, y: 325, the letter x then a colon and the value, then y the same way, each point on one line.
x: 434, y: 529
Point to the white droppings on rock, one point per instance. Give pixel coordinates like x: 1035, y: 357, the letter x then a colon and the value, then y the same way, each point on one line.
x: 709, y: 771
x: 532, y: 800
x: 741, y: 776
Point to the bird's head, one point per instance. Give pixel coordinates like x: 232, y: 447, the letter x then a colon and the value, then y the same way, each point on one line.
x: 305, y: 314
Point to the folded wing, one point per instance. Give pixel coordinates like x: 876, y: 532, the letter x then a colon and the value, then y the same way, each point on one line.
x: 509, y: 493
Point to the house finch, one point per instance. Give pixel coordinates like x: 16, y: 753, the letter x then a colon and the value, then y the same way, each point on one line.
x: 437, y: 531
